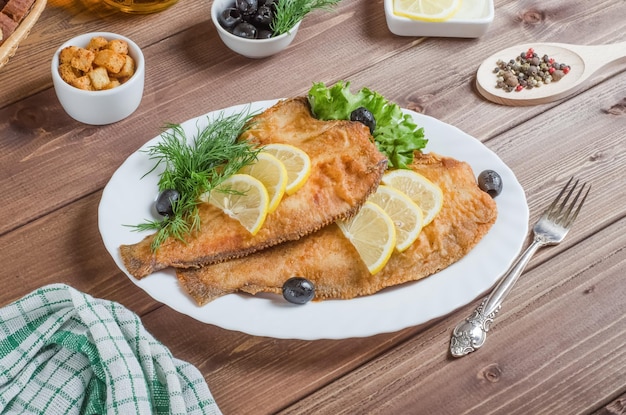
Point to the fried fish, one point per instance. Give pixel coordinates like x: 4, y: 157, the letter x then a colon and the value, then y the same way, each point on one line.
x: 330, y: 261
x: 346, y: 167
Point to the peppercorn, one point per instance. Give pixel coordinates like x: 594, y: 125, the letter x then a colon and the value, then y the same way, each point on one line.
x: 528, y: 71
x: 511, y: 80
x: 557, y: 75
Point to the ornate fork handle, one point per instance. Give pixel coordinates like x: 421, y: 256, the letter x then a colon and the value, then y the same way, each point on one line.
x: 550, y: 229
x: 470, y: 334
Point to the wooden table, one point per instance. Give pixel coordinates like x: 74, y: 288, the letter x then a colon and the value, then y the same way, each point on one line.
x: 557, y: 346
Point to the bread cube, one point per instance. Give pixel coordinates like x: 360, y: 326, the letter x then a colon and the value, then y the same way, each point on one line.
x: 99, y: 78
x: 83, y: 59
x: 83, y: 82
x: 114, y: 83
x: 7, y: 26
x: 66, y: 54
x: 17, y: 9
x: 109, y: 59
x: 96, y: 43
x: 127, y: 70
x: 68, y: 72
x: 118, y: 46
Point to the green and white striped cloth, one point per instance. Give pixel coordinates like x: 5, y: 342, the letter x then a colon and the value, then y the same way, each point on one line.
x: 65, y: 352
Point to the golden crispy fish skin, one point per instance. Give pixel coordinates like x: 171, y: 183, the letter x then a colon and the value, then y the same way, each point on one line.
x: 346, y: 167
x: 330, y: 261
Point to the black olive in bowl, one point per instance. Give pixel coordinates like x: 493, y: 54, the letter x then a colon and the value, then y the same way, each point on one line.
x: 230, y: 18
x: 263, y: 45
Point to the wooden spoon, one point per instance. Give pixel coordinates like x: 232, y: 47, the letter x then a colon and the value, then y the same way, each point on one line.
x: 583, y: 60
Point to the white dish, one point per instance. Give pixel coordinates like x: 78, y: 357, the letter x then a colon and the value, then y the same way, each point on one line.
x: 470, y: 21
x: 106, y: 106
x: 250, y: 48
x: 127, y: 200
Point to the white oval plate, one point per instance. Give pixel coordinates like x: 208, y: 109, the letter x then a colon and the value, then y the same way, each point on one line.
x: 127, y: 200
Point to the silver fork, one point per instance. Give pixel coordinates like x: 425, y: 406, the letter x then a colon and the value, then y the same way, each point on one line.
x: 470, y: 334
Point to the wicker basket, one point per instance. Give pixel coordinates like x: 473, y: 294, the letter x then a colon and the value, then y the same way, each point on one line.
x: 9, y: 47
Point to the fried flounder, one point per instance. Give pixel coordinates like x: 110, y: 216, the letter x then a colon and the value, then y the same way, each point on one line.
x: 330, y: 261
x: 346, y: 167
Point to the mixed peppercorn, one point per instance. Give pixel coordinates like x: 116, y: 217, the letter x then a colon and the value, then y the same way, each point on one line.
x: 528, y: 71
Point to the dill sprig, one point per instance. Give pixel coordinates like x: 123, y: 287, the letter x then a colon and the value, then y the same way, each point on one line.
x: 194, y: 167
x: 290, y: 12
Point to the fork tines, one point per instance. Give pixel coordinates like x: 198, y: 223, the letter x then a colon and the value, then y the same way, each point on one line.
x: 564, y: 214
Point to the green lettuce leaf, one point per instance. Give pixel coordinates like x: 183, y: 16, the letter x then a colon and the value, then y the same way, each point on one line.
x: 396, y: 134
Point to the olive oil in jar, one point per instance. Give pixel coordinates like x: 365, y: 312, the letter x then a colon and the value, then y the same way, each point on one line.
x: 140, y: 6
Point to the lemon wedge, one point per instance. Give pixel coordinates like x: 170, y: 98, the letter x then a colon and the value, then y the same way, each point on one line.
x: 272, y: 173
x: 372, y: 233
x: 242, y: 197
x: 405, y: 214
x: 426, y: 10
x: 296, y: 161
x: 427, y: 195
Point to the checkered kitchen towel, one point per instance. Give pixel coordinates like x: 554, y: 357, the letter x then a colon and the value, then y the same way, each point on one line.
x: 65, y: 352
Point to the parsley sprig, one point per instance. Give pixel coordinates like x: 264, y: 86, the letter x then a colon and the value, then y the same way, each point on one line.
x: 290, y: 12
x: 194, y: 167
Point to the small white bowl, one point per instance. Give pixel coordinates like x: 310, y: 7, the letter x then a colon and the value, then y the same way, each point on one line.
x: 250, y: 48
x: 471, y: 21
x: 100, y: 107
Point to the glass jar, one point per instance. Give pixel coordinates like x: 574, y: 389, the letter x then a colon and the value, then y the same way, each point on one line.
x: 140, y: 6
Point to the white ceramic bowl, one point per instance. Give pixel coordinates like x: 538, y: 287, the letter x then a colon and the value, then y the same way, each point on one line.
x: 106, y: 106
x: 471, y: 21
x: 250, y: 48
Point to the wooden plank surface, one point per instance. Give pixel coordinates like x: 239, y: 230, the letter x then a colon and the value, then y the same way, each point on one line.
x: 547, y: 335
x: 557, y: 345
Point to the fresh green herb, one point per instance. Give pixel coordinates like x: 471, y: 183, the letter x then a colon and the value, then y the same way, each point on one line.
x: 194, y: 167
x: 290, y: 12
x: 396, y: 134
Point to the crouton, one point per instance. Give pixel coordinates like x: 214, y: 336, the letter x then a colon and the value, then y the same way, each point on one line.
x: 127, y: 70
x: 99, y: 78
x: 113, y: 84
x: 109, y: 59
x: 66, y: 54
x: 118, y: 46
x: 97, y: 43
x: 103, y: 64
x: 83, y: 82
x: 83, y: 59
x: 68, y: 72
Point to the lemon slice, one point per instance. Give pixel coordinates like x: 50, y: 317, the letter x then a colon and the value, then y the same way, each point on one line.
x: 272, y: 173
x: 405, y: 214
x: 242, y: 197
x: 372, y: 233
x: 426, y: 10
x: 427, y: 195
x: 296, y: 161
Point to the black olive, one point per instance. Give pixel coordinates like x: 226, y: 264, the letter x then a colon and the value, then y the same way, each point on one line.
x: 298, y: 290
x: 247, y: 7
x: 363, y: 115
x: 269, y: 3
x: 264, y: 34
x: 245, y: 30
x: 490, y: 181
x: 263, y: 16
x: 229, y: 18
x: 165, y: 202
